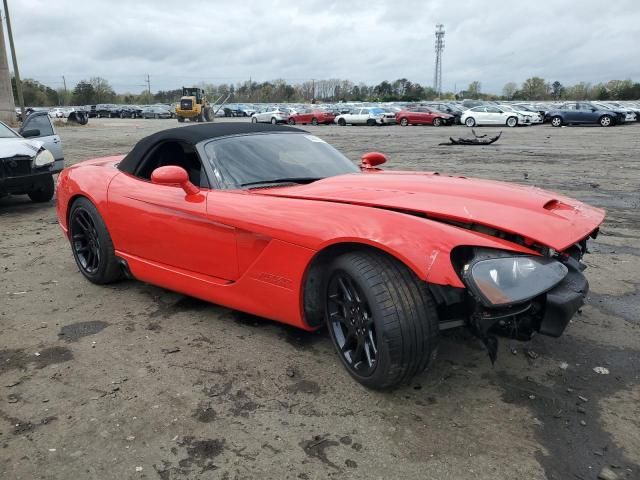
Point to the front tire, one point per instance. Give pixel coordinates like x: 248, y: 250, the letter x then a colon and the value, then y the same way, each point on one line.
x: 404, y: 122
x: 605, y: 121
x: 91, y: 244
x: 180, y: 119
x: 437, y: 122
x: 292, y: 121
x: 381, y: 318
x: 371, y: 122
x: 274, y: 121
x: 44, y: 192
x: 314, y: 121
x: 556, y: 121
x: 512, y: 122
x: 470, y: 122
x: 254, y: 120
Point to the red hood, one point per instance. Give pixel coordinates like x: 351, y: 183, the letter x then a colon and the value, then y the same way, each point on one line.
x: 544, y: 217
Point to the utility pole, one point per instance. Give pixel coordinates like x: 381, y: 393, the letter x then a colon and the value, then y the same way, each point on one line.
x: 437, y: 75
x: 16, y: 72
x: 7, y: 103
x: 148, y: 85
x: 64, y: 82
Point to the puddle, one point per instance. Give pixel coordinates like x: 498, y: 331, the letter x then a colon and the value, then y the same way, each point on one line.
x: 75, y: 331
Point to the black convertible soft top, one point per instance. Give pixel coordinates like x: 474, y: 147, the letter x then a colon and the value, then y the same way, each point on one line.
x: 194, y: 134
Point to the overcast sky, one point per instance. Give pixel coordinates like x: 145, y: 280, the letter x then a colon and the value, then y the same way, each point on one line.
x: 181, y: 43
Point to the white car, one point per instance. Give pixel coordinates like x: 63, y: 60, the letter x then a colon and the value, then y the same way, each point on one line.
x: 528, y: 118
x: 271, y: 115
x: 57, y: 113
x: 366, y: 116
x: 489, y: 115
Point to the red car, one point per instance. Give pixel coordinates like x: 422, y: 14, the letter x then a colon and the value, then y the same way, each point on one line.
x: 423, y: 116
x: 314, y: 117
x: 273, y: 221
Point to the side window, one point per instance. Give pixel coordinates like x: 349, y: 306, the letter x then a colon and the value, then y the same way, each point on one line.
x: 492, y: 110
x: 42, y: 123
x: 173, y: 153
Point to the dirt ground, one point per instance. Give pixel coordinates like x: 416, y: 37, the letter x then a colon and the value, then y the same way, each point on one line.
x: 131, y: 381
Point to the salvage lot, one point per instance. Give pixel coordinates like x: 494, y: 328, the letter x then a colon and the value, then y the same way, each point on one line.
x: 131, y: 381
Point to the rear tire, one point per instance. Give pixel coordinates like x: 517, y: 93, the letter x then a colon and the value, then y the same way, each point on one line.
x: 314, y: 121
x: 44, y: 192
x: 470, y: 122
x: 381, y: 318
x: 254, y: 120
x: 404, y: 122
x: 342, y: 122
x: 180, y: 119
x: 274, y: 121
x: 292, y: 121
x: 91, y: 243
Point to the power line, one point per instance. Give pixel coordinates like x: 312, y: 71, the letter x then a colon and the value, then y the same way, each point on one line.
x: 437, y: 75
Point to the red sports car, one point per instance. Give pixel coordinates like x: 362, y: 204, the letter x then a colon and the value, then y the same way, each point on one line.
x: 423, y: 116
x: 314, y: 117
x: 275, y: 222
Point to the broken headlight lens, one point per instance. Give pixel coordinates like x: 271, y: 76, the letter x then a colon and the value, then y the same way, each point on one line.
x: 504, y: 281
x: 43, y: 158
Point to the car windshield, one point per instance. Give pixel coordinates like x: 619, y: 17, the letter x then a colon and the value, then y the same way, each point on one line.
x: 377, y: 111
x: 275, y: 158
x: 6, y: 132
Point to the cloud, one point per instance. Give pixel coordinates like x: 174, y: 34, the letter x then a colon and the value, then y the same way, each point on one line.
x: 229, y: 41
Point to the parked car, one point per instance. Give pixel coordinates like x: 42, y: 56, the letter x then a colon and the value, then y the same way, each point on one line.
x: 423, y: 116
x: 273, y: 115
x: 388, y: 260
x: 446, y: 108
x: 370, y: 116
x: 312, y: 116
x: 57, y: 112
x: 531, y: 108
x: 627, y: 113
x: 525, y: 117
x: 155, y: 112
x: 108, y: 110
x: 635, y: 109
x: 489, y: 115
x: 130, y: 111
x: 580, y: 113
x: 30, y: 157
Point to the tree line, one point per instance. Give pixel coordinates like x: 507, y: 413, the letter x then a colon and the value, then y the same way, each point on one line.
x: 98, y: 90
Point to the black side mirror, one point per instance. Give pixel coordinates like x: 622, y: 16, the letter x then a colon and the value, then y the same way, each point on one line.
x: 34, y: 132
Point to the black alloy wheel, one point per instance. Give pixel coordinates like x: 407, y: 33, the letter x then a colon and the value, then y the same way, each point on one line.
x: 352, y: 325
x: 85, y: 241
x: 91, y: 243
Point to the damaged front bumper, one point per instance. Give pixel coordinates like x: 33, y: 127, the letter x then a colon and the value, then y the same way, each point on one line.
x: 547, y: 312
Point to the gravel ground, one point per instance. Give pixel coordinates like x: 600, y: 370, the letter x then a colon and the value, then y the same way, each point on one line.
x: 132, y: 381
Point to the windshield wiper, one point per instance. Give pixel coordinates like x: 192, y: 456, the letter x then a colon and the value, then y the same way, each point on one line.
x: 282, y: 180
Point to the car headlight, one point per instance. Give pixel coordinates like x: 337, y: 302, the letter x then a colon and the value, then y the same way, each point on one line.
x: 504, y: 281
x: 43, y: 158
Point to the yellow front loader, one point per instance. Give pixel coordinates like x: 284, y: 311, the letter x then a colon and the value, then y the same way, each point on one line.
x: 194, y: 106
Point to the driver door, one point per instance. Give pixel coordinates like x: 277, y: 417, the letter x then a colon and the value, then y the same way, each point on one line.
x: 163, y: 225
